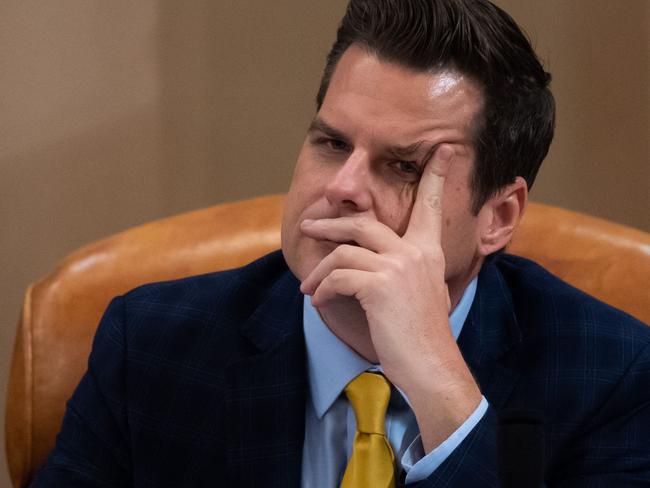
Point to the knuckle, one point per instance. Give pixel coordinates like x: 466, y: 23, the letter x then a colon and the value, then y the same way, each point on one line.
x: 397, y: 266
x: 434, y: 203
x: 431, y: 254
x: 383, y: 280
x: 338, y: 252
x: 417, y: 254
x: 336, y: 276
x: 360, y: 224
x: 343, y: 253
x: 436, y: 255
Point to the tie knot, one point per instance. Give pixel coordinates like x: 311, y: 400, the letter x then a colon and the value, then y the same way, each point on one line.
x: 369, y: 394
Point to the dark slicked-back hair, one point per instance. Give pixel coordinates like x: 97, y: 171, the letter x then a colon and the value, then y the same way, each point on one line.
x: 515, y: 128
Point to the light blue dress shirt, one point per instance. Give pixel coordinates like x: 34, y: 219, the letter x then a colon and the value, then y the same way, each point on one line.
x: 330, y: 424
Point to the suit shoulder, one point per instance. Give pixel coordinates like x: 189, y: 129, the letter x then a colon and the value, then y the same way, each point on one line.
x: 539, y: 295
x: 214, y: 290
x: 198, y: 319
x: 214, y: 304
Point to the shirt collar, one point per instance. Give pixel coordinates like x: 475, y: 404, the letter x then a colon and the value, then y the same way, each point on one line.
x: 332, y: 364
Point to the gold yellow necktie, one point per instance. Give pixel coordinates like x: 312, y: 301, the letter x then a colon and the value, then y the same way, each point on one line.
x: 372, y: 464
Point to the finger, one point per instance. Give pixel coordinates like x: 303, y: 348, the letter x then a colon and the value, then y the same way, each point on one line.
x: 425, y: 223
x: 343, y: 257
x: 448, y: 298
x: 341, y: 282
x: 364, y: 231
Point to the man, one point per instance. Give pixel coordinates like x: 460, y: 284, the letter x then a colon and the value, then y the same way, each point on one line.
x: 433, y: 118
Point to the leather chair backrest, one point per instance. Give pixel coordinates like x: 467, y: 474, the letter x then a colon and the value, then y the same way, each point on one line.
x: 61, y: 312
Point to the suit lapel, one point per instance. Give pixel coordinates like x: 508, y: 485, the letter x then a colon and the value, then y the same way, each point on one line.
x: 265, y: 404
x: 491, y: 336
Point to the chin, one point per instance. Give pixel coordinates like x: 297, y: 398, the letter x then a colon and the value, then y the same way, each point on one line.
x: 305, y: 256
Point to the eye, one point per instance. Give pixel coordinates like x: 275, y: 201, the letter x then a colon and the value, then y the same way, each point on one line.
x: 334, y: 145
x: 410, y: 168
x: 338, y: 145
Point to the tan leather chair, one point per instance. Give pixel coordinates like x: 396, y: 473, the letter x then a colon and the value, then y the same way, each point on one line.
x: 61, y: 312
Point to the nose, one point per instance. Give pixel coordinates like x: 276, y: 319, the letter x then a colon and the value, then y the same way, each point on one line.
x: 349, y: 187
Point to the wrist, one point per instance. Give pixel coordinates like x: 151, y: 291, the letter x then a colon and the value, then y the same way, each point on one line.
x: 441, y: 405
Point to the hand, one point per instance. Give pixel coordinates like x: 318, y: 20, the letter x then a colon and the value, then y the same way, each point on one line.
x: 399, y: 283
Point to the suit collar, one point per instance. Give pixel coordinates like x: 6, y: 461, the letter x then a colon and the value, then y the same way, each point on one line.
x: 278, y: 315
x: 491, y: 336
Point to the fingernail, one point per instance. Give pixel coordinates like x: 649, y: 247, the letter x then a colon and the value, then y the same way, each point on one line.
x: 307, y: 222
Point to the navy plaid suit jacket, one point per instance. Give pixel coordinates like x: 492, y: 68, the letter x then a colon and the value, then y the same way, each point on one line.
x: 202, y: 382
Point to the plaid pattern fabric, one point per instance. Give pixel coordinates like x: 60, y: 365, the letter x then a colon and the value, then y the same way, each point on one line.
x: 201, y: 382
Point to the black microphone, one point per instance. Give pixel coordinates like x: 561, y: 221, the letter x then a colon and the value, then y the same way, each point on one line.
x: 520, y: 448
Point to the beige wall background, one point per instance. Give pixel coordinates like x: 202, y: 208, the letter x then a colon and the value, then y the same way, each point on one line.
x: 116, y: 113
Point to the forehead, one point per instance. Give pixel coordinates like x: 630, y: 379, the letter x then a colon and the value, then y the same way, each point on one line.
x: 400, y: 99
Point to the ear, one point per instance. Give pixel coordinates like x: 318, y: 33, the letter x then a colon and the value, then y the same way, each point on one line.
x: 500, y: 216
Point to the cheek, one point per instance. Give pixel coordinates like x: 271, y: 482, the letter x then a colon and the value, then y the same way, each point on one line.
x: 394, y: 207
x: 458, y: 223
x: 306, y: 183
x: 459, y: 238
x: 297, y: 200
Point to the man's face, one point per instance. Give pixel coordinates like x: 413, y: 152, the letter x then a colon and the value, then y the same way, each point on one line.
x: 366, y: 148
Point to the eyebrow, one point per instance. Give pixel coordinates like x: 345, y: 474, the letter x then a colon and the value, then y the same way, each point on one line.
x: 398, y: 151
x: 319, y: 124
x: 405, y: 151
